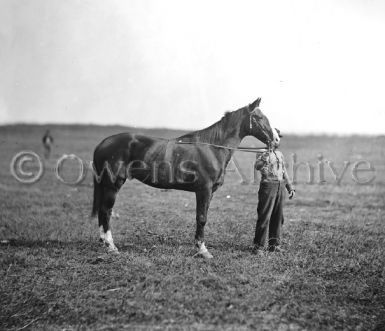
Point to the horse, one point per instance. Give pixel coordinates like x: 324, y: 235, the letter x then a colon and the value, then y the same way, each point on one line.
x: 193, y: 162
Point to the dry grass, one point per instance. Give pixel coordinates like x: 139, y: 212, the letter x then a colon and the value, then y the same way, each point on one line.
x: 55, y: 275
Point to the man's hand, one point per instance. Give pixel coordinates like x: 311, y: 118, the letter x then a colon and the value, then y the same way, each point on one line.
x: 265, y: 156
x: 291, y: 194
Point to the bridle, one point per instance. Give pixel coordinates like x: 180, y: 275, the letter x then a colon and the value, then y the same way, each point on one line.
x: 253, y: 120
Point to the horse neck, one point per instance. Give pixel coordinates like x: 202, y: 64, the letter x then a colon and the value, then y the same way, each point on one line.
x: 234, y: 130
x: 226, y: 132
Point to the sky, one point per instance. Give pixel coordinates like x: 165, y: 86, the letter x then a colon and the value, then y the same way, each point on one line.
x: 319, y: 66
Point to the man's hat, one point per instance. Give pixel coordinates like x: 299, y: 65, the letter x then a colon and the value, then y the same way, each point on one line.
x: 279, y: 132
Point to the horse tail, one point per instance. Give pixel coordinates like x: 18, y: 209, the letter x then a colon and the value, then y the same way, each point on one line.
x: 98, y: 191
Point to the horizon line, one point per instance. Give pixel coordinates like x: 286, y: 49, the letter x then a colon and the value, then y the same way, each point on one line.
x: 291, y: 133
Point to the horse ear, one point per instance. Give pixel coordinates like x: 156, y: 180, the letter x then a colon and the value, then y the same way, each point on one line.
x: 255, y: 104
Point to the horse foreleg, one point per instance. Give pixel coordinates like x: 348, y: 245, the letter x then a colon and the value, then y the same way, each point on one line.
x: 203, y: 199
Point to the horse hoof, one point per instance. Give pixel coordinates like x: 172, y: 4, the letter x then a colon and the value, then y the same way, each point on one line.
x: 202, y: 251
x: 113, y: 250
x: 205, y: 254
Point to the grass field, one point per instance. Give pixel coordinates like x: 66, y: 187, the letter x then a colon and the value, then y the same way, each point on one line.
x: 55, y: 274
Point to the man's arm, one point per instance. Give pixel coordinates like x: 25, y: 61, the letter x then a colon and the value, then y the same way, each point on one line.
x: 289, y: 185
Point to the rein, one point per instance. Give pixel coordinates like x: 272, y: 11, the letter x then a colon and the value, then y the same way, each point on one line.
x: 239, y: 149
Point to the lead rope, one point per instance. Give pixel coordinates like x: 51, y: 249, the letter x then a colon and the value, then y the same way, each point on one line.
x: 278, y: 163
x: 245, y: 149
x: 251, y: 124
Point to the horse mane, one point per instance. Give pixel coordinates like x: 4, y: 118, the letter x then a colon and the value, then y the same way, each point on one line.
x: 216, y: 133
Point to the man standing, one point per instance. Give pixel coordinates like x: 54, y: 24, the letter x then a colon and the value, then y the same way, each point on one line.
x: 271, y: 195
x: 47, y: 141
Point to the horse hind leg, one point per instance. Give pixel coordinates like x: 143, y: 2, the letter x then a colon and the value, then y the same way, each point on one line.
x: 104, y: 216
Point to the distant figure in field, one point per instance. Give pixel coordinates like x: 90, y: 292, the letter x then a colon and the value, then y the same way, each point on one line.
x: 271, y: 198
x: 47, y: 142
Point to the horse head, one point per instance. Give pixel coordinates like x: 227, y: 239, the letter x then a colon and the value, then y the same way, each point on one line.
x: 258, y: 125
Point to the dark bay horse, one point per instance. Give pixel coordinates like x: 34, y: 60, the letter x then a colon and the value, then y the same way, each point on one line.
x: 194, y: 162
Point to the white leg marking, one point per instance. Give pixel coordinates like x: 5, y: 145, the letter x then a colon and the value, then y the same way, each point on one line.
x: 110, y: 241
x: 102, y: 234
x: 202, y: 250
